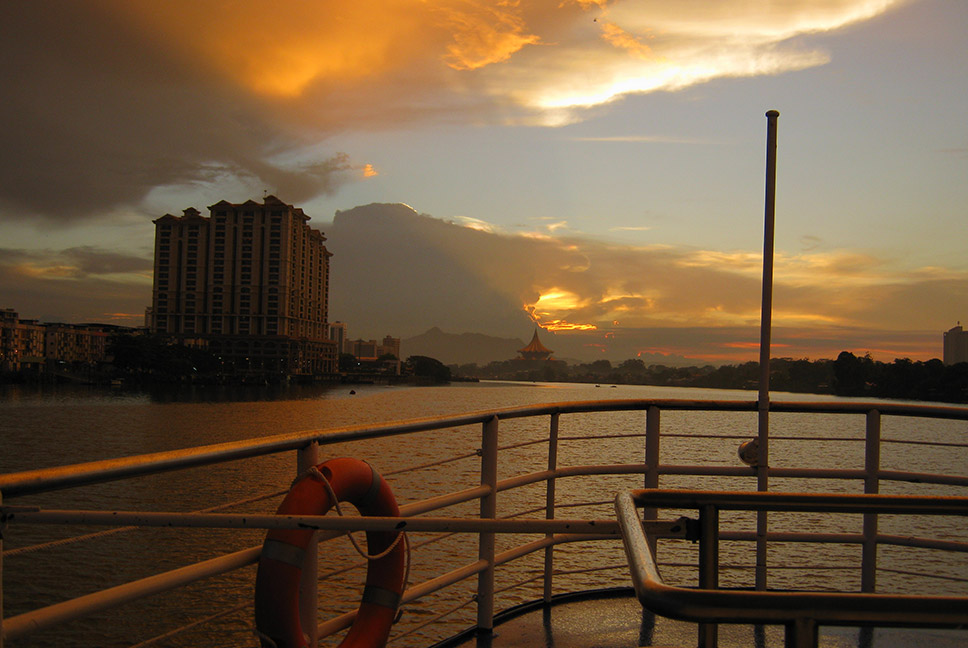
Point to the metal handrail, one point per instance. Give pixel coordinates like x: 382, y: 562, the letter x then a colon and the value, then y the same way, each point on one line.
x: 37, y: 481
x: 47, y: 479
x: 800, y: 612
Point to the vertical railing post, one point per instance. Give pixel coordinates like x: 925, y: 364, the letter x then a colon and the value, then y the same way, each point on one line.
x: 872, y: 467
x: 708, y: 567
x: 306, y: 458
x: 652, y: 466
x: 2, y: 531
x: 485, y: 580
x: 549, y: 566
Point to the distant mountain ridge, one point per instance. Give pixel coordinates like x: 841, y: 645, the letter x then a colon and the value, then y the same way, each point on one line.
x: 460, y: 348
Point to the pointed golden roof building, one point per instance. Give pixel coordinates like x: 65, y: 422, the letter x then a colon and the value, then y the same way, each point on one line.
x: 535, y: 350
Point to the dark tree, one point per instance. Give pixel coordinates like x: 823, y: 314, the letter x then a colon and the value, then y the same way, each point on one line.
x: 428, y: 368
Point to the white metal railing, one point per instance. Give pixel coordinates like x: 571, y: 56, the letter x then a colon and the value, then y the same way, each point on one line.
x: 553, y: 530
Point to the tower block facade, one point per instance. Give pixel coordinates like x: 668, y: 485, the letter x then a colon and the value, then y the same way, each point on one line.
x: 249, y: 282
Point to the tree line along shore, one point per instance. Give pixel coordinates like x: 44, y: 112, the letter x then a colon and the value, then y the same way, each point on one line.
x: 848, y: 375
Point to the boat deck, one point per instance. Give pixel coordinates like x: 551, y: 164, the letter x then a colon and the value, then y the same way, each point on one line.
x: 614, y: 619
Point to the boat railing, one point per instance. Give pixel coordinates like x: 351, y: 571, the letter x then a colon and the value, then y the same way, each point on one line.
x: 800, y: 612
x: 552, y: 530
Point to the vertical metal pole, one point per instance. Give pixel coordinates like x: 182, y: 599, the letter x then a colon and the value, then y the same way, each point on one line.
x: 802, y: 633
x: 306, y: 458
x: 485, y: 580
x: 2, y: 531
x: 766, y: 320
x: 872, y: 466
x: 708, y: 567
x: 549, y: 565
x: 652, y: 466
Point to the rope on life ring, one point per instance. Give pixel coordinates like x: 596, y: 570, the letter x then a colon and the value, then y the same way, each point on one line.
x: 280, y: 564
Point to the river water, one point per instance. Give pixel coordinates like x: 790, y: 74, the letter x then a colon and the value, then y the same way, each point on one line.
x: 65, y: 425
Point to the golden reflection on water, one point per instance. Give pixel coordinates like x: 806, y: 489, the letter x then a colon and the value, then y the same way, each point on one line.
x: 69, y: 426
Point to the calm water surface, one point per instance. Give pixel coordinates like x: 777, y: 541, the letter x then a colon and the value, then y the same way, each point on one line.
x: 71, y: 425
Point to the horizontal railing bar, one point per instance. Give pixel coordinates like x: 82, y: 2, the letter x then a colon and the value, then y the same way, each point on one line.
x: 315, y: 522
x: 922, y: 543
x: 942, y: 444
x: 444, y: 501
x: 345, y: 620
x: 743, y: 606
x: 569, y: 471
x: 903, y: 572
x: 45, y: 479
x: 924, y: 478
x: 817, y: 473
x: 190, y: 626
x: 523, y: 444
x: 778, y: 437
x: 596, y: 437
x: 848, y: 538
x: 795, y: 502
x: 720, y: 471
x: 29, y: 622
x: 429, y: 464
x: 886, y: 409
x: 780, y: 536
x: 432, y: 620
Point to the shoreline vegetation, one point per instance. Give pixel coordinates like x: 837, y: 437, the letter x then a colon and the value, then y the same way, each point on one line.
x: 848, y: 375
x: 143, y: 361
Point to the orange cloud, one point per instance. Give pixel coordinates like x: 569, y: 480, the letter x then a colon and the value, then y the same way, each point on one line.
x: 369, y: 171
x: 561, y: 325
x: 626, y: 41
x: 283, y: 52
x: 484, y: 34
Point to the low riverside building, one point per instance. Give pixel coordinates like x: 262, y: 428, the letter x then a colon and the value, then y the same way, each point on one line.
x: 29, y: 345
x: 371, y: 349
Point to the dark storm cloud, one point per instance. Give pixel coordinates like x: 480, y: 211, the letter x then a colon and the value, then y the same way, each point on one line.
x: 97, y: 113
x: 398, y: 272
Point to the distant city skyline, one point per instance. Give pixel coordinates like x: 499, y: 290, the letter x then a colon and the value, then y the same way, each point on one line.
x: 607, y: 156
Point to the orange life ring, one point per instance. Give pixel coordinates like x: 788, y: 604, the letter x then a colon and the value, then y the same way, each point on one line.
x: 280, y: 564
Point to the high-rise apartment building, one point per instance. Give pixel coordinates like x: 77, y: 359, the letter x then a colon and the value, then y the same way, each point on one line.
x: 955, y: 345
x: 250, y: 282
x: 337, y: 333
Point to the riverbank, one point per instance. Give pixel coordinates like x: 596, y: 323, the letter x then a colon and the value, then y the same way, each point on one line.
x: 848, y: 375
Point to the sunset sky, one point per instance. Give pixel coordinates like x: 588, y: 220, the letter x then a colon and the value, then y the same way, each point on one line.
x: 595, y: 167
